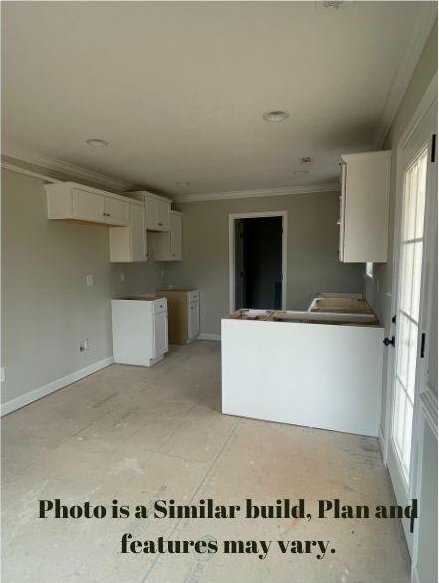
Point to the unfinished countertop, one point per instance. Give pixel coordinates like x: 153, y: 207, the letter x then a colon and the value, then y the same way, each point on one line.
x: 343, y: 309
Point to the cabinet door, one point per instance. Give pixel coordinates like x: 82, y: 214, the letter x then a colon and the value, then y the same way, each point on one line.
x: 163, y: 215
x: 88, y: 206
x: 193, y: 320
x: 117, y: 211
x: 160, y: 334
x: 151, y: 213
x: 176, y: 237
x: 138, y: 233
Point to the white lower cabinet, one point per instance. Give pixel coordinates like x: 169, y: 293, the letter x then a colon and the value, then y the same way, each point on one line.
x: 129, y: 244
x: 193, y: 320
x: 140, y: 330
x: 161, y: 333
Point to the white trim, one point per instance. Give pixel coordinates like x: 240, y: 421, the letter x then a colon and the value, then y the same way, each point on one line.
x: 429, y: 409
x: 424, y: 104
x: 20, y: 170
x: 215, y: 337
x: 415, y: 45
x: 40, y: 392
x: 415, y: 576
x: 382, y: 444
x: 70, y: 170
x: 261, y: 214
x: 257, y: 192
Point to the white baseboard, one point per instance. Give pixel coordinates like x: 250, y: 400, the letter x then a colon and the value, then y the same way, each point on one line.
x: 382, y: 444
x: 216, y: 337
x: 36, y: 394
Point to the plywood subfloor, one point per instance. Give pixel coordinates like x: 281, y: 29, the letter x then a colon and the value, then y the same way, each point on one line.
x: 139, y: 434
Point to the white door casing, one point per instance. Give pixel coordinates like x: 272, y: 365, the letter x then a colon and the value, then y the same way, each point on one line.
x: 232, y: 220
x: 411, y: 297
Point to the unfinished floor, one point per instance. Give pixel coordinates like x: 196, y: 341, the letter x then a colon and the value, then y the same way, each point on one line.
x: 139, y: 434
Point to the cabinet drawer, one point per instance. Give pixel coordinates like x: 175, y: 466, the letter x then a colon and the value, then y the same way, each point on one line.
x: 160, y: 305
x: 194, y: 295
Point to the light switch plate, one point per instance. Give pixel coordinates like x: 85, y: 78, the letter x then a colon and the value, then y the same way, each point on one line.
x: 2, y: 374
x: 89, y: 280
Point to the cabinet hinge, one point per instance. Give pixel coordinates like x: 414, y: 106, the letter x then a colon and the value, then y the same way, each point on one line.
x: 433, y: 148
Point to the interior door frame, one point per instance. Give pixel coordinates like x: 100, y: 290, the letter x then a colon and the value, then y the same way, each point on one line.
x: 263, y: 214
x: 422, y: 110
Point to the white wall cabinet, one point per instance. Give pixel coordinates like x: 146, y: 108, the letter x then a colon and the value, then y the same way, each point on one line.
x: 129, y: 244
x: 364, y: 207
x: 74, y: 202
x: 158, y: 210
x: 169, y: 246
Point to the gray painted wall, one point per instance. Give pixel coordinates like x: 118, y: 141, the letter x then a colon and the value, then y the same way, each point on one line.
x: 313, y: 264
x: 47, y: 308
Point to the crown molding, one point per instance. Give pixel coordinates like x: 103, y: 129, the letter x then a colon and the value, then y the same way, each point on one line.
x: 70, y: 171
x: 416, y: 44
x: 279, y: 191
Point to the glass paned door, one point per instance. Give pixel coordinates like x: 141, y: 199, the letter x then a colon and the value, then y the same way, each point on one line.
x: 408, y: 308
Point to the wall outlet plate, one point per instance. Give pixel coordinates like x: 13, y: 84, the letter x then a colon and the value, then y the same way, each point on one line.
x: 122, y: 278
x: 89, y: 280
x: 83, y: 345
x: 2, y: 374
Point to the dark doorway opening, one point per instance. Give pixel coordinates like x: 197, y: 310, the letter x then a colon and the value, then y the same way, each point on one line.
x: 258, y: 263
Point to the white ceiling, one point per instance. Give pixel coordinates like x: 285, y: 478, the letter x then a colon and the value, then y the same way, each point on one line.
x: 179, y: 88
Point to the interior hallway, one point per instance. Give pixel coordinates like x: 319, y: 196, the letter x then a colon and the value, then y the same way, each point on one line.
x: 138, y: 434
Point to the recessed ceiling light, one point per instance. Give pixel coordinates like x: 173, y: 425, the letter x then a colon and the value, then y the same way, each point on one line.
x: 182, y: 183
x: 96, y: 142
x: 275, y: 115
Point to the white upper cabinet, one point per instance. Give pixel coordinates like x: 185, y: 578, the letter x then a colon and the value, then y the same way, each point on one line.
x: 75, y: 202
x: 129, y: 244
x: 157, y: 213
x: 364, y: 207
x: 168, y: 246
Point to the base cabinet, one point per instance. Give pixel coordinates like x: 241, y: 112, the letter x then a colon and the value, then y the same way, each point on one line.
x: 140, y: 330
x: 184, y: 314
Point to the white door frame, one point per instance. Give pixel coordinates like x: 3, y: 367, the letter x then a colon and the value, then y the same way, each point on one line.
x: 424, y: 108
x: 424, y: 105
x: 262, y: 214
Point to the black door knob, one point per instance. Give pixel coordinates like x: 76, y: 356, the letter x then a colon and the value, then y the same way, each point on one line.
x: 389, y: 341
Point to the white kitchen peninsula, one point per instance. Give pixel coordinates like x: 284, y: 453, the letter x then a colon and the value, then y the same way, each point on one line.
x: 305, y: 368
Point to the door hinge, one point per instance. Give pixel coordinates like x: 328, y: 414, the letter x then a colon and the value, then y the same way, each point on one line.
x: 423, y: 345
x: 433, y: 148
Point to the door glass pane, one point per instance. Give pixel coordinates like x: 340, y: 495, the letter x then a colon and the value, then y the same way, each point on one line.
x: 422, y: 183
x: 407, y: 332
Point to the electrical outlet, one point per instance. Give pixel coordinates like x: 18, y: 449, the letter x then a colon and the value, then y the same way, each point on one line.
x: 89, y: 280
x: 2, y: 374
x: 83, y: 345
x: 122, y: 278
